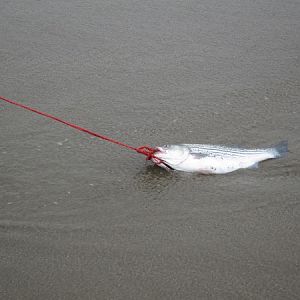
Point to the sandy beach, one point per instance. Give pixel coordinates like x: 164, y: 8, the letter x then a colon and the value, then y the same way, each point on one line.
x: 81, y: 218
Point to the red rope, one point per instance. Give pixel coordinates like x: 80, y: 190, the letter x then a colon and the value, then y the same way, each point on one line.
x: 145, y: 150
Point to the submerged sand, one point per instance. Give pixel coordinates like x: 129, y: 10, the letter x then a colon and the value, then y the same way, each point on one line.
x: 85, y: 219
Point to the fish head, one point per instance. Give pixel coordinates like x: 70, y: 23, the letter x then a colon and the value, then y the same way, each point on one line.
x: 171, y: 154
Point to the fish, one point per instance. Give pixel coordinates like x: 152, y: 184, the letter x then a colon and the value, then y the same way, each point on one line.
x: 214, y: 159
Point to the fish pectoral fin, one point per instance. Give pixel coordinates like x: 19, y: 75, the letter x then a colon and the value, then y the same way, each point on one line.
x: 254, y: 166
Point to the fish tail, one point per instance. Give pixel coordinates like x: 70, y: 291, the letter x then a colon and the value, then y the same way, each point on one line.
x: 280, y: 150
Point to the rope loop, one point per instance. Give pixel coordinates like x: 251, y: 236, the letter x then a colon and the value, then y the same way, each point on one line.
x: 146, y: 150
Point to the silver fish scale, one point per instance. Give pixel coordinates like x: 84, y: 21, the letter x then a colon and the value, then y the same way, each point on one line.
x: 204, y: 149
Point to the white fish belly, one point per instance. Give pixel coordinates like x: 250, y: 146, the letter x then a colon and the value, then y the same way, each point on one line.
x: 220, y: 164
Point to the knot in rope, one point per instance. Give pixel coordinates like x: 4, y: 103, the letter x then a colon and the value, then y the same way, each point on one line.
x: 146, y: 150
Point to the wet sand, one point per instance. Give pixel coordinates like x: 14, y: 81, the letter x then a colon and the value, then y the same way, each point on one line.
x: 84, y: 219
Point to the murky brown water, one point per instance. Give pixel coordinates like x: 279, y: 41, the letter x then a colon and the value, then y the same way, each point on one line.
x: 84, y: 219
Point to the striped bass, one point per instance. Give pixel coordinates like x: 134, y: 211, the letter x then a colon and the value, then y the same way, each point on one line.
x: 214, y: 159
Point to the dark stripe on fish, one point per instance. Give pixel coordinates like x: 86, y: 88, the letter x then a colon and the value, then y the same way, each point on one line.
x: 207, y: 149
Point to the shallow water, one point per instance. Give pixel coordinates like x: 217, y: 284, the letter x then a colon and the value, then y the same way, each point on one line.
x: 85, y: 219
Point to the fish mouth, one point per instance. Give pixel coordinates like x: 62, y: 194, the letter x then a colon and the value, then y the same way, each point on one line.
x: 156, y: 158
x: 160, y: 161
x: 158, y: 149
x: 158, y: 153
